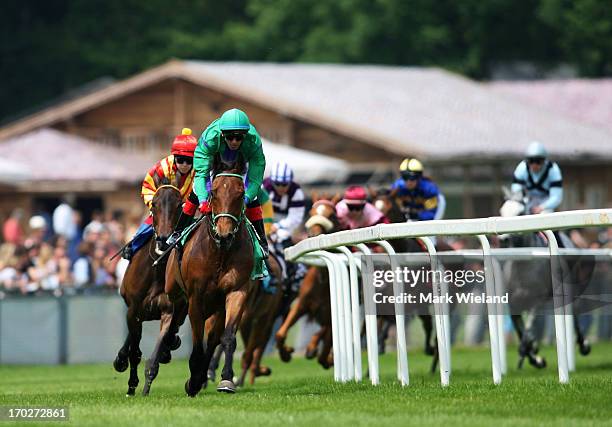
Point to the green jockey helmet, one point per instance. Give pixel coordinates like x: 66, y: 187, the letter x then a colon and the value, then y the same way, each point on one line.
x: 234, y: 119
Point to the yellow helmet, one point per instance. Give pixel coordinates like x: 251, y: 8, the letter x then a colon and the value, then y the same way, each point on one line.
x: 411, y: 169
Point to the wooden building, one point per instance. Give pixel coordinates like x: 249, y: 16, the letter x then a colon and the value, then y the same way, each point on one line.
x: 469, y: 136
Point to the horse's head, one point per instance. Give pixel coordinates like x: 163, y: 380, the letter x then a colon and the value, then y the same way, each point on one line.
x: 166, y: 208
x: 322, y: 218
x: 385, y: 201
x: 227, y: 205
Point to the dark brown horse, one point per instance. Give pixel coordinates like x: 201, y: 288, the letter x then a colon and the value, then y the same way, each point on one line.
x: 142, y: 290
x: 313, y: 298
x: 214, y: 277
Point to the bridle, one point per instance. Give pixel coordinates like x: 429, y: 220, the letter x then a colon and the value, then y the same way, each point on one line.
x: 214, y: 217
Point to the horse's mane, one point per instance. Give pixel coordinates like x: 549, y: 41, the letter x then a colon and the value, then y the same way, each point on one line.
x: 237, y: 166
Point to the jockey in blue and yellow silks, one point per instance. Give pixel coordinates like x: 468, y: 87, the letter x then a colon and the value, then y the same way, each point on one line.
x: 176, y: 169
x: 417, y: 195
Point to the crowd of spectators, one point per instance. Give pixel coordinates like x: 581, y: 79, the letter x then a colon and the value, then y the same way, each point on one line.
x: 55, y: 253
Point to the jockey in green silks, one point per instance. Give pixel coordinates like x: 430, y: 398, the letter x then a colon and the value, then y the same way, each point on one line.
x: 231, y: 137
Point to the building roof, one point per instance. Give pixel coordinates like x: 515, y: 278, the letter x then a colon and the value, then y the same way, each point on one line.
x: 51, y: 155
x: 588, y: 101
x: 12, y: 172
x: 426, y: 112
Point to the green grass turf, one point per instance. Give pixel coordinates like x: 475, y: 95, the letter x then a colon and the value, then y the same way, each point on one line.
x: 302, y: 393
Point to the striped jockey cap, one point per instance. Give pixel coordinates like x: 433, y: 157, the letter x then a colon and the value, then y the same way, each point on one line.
x: 281, y: 173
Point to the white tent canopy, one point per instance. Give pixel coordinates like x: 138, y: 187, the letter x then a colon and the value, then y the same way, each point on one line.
x: 307, y: 166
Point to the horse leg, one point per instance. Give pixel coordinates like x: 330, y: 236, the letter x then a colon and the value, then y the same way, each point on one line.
x: 214, y: 329
x: 152, y: 365
x: 259, y: 339
x: 135, y: 328
x: 383, y: 332
x: 527, y: 346
x: 214, y: 363
x: 427, y: 322
x: 121, y: 362
x: 234, y: 304
x: 326, y: 358
x: 196, y: 360
x: 583, y: 343
x: 297, y: 311
x: 313, y: 345
x: 256, y: 369
x: 247, y: 359
x: 173, y: 340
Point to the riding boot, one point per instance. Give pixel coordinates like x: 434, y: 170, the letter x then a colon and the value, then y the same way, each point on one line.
x: 184, y: 221
x: 261, y: 233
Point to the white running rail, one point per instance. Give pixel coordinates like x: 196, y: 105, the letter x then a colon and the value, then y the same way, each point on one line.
x: 344, y: 266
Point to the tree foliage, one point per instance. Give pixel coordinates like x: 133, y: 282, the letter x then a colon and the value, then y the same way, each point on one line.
x: 50, y: 47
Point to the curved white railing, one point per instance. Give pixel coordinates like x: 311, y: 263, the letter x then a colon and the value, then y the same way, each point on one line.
x: 343, y: 285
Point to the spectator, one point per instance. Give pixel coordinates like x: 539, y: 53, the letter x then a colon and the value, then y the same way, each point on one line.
x: 95, y: 226
x: 38, y: 229
x: 103, y: 273
x: 39, y: 271
x: 8, y: 262
x: 64, y: 221
x: 24, y: 263
x: 82, y: 271
x: 12, y: 232
x: 116, y: 227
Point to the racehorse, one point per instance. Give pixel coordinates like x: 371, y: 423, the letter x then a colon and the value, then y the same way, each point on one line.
x: 525, y: 280
x: 214, y: 277
x: 313, y: 298
x: 142, y: 290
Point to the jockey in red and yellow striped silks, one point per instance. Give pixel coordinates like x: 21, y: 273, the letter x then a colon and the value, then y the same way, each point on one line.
x: 177, y: 170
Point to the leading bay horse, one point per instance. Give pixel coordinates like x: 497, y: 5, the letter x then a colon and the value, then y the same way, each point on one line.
x: 214, y: 277
x: 142, y: 290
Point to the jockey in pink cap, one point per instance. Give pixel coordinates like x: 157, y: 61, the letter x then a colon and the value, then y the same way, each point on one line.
x: 354, y: 211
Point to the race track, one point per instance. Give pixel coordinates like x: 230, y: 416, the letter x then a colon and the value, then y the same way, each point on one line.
x: 301, y: 393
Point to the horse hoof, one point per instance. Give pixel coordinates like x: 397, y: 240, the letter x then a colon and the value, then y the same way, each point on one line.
x: 585, y: 348
x: 263, y: 371
x: 538, y: 362
x: 176, y: 344
x: 325, y: 364
x: 190, y: 392
x: 131, y: 391
x: 146, y: 389
x: 165, y: 357
x: 226, y: 386
x: 120, y: 364
x: 285, y: 354
x: 311, y: 353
